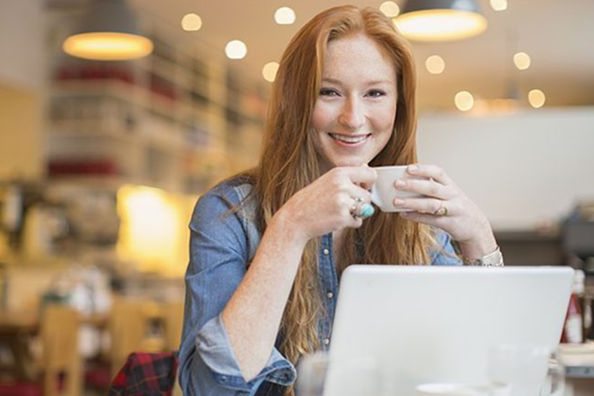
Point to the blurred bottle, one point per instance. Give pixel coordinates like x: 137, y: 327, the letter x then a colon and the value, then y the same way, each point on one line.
x: 573, y: 329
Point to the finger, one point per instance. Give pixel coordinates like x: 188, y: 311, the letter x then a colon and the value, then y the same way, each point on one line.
x: 421, y: 205
x: 361, y: 193
x: 358, y: 222
x: 429, y: 172
x: 352, y: 205
x: 351, y: 220
x: 362, y: 209
x: 361, y: 175
x: 424, y: 218
x: 428, y: 187
x: 343, y: 181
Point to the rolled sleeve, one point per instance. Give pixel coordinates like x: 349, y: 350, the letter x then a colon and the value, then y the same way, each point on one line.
x: 214, y: 349
x: 219, y: 255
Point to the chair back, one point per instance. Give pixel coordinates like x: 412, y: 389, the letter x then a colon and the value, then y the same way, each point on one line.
x: 131, y: 329
x: 174, y: 318
x: 60, y: 353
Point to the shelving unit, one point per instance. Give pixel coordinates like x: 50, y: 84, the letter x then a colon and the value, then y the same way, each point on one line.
x: 171, y: 120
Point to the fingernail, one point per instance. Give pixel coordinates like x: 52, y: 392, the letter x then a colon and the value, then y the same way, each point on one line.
x: 398, y: 202
x: 400, y: 183
x: 412, y: 168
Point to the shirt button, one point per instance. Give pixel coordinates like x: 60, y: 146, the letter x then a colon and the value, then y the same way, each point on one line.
x: 330, y: 294
x: 326, y: 252
x: 326, y: 341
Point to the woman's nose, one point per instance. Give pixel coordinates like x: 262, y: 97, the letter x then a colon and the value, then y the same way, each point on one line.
x: 352, y: 115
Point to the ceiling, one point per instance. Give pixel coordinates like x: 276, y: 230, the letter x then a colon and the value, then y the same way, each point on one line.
x: 556, y: 34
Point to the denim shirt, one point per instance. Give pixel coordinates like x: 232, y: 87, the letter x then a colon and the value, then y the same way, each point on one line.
x: 222, y: 244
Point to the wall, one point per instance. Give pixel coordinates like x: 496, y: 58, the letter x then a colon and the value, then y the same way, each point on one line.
x: 22, y: 82
x: 523, y: 169
x: 22, y: 43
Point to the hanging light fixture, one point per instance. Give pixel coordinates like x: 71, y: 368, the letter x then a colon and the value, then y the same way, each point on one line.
x: 108, y: 32
x: 440, y: 20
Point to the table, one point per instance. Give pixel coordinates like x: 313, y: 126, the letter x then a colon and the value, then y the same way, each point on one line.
x: 578, y: 360
x: 18, y: 328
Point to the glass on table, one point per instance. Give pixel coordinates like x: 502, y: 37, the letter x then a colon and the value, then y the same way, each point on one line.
x: 554, y: 384
x: 311, y: 374
x: 528, y: 370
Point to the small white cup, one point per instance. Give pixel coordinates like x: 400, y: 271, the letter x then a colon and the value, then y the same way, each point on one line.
x: 384, y: 192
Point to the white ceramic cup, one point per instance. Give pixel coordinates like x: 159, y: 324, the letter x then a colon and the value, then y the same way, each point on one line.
x: 384, y: 192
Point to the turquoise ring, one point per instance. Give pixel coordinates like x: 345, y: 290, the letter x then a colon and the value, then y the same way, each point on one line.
x: 366, y: 210
x: 362, y: 210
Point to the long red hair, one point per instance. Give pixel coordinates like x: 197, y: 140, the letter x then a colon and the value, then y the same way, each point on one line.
x: 289, y: 162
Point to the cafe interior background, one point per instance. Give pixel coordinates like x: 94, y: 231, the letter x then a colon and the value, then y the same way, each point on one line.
x: 101, y: 161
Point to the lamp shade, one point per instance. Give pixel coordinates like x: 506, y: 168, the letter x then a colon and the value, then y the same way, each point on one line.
x: 440, y: 20
x: 108, y: 31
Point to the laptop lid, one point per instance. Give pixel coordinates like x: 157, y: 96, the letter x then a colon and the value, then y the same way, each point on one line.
x: 427, y: 324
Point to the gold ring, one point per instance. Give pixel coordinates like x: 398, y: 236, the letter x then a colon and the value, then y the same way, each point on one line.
x: 441, y: 211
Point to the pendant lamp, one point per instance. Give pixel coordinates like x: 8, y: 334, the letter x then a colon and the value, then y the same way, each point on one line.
x: 108, y: 31
x: 440, y: 20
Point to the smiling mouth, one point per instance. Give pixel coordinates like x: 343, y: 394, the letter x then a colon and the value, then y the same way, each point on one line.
x: 349, y: 139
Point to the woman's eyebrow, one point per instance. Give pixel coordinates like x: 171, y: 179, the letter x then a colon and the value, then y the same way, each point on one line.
x: 372, y: 82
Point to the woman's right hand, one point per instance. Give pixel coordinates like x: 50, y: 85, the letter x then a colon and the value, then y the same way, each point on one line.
x: 325, y: 205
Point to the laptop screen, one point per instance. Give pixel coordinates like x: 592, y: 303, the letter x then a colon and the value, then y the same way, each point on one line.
x: 422, y: 324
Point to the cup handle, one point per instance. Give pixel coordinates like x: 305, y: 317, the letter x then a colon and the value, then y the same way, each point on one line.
x: 375, y: 197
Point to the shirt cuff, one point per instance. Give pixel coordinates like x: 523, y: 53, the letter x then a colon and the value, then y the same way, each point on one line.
x: 214, y: 348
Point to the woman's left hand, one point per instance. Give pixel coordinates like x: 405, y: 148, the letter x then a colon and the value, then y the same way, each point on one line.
x: 443, y: 204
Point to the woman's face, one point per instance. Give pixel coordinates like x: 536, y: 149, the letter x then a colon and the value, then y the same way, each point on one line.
x: 353, y: 117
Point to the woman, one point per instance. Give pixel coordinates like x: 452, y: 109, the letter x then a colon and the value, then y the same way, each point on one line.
x: 268, y: 246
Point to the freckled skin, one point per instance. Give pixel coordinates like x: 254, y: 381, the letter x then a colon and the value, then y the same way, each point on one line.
x: 353, y: 117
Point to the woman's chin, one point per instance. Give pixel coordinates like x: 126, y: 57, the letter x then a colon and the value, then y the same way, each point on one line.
x: 351, y: 163
x: 346, y: 162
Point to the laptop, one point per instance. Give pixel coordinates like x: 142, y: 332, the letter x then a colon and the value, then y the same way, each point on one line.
x: 412, y: 325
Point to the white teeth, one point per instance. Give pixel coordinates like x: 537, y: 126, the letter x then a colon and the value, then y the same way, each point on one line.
x: 348, y: 138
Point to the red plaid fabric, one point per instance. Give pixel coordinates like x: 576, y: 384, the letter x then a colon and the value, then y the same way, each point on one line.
x: 146, y: 374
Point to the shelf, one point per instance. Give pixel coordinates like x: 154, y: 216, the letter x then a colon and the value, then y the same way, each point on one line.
x: 171, y: 119
x: 69, y: 131
x: 99, y: 87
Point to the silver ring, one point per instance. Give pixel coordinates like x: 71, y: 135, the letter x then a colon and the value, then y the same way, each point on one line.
x: 441, y: 211
x: 361, y: 210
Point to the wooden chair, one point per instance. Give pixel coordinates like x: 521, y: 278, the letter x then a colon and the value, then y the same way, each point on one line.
x: 174, y: 316
x: 134, y: 326
x: 60, y: 363
x: 60, y: 354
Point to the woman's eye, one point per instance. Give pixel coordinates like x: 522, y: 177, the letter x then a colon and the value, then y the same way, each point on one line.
x: 328, y: 92
x: 375, y: 93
